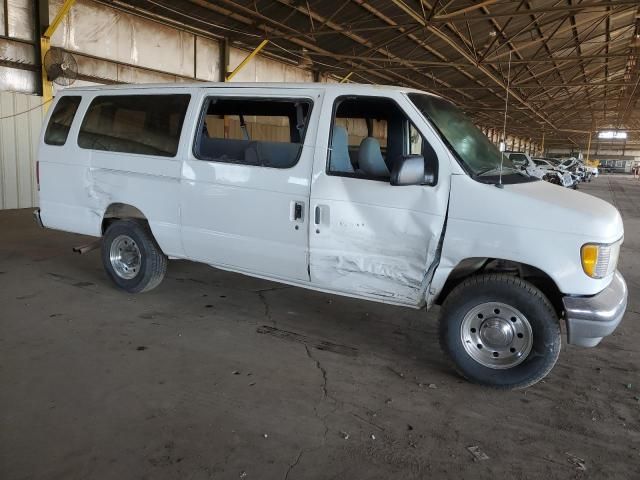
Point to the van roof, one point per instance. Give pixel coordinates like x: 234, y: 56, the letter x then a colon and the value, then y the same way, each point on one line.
x: 346, y: 87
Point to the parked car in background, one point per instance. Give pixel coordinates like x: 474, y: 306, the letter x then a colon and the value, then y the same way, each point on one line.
x: 550, y: 166
x: 594, y: 170
x: 586, y: 170
x: 576, y: 169
x: 386, y: 194
x: 524, y: 162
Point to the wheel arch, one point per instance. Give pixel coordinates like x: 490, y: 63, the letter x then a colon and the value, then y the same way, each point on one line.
x: 119, y: 211
x: 476, y: 265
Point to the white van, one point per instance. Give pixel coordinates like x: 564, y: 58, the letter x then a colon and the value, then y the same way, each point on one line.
x: 381, y: 193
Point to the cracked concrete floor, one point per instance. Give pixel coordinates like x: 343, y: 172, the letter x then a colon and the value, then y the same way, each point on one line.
x: 216, y: 375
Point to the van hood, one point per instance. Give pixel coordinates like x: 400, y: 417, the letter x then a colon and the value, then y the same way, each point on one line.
x: 541, y: 205
x: 555, y: 208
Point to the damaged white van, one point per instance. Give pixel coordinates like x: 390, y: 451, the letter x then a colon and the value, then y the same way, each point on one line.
x: 381, y: 193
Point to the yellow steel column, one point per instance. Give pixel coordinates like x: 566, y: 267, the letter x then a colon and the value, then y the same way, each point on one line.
x: 246, y: 60
x: 45, y: 45
x: 229, y: 75
x: 588, y: 150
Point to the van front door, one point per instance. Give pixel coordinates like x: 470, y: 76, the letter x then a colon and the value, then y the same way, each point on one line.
x: 369, y: 238
x: 245, y: 185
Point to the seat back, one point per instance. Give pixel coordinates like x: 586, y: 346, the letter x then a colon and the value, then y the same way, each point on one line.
x: 370, y: 158
x: 340, y: 161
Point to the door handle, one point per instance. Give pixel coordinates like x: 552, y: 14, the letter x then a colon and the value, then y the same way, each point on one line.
x: 297, y: 210
x: 321, y: 215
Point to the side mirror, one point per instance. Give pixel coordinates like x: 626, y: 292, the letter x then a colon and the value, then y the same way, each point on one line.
x: 408, y: 170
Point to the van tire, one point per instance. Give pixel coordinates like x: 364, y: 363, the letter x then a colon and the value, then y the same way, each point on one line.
x: 149, y: 266
x: 522, y: 304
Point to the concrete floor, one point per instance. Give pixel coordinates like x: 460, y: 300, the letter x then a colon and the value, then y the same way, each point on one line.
x: 216, y: 375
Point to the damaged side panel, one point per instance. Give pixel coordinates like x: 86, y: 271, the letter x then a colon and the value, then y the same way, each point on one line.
x: 377, y: 241
x: 156, y: 196
x: 369, y: 238
x: 80, y: 199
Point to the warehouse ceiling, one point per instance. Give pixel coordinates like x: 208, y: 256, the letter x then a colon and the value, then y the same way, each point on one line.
x: 570, y: 66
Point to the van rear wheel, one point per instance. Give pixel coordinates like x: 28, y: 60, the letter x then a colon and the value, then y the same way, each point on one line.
x: 131, y: 256
x: 500, y: 331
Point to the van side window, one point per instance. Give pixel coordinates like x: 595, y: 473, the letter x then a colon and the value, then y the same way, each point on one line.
x: 251, y: 131
x: 61, y: 119
x: 369, y: 134
x: 143, y: 124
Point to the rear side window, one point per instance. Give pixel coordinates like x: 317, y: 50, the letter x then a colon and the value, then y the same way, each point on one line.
x: 61, y: 119
x: 143, y: 124
x: 258, y: 132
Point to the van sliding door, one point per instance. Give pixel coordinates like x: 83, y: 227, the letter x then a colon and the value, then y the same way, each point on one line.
x: 245, y: 185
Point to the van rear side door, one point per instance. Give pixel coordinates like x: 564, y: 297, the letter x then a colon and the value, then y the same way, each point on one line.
x: 369, y: 238
x: 246, y: 182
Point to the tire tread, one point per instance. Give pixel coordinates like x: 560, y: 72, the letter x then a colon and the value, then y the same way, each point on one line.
x: 156, y: 260
x: 476, y: 281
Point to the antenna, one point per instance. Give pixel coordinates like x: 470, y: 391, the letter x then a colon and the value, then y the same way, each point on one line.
x: 504, y: 126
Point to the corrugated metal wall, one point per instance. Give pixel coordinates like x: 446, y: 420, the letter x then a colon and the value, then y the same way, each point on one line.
x: 18, y: 148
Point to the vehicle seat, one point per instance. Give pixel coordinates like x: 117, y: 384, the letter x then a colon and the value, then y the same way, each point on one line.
x: 370, y: 158
x: 340, y: 161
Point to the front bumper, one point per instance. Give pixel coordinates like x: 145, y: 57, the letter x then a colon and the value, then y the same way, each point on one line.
x: 590, y: 319
x: 36, y: 216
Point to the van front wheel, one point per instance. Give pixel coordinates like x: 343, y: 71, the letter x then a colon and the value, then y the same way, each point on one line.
x: 500, y: 331
x: 131, y: 256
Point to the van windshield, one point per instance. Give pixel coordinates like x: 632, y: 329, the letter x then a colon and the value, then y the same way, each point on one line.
x: 474, y: 150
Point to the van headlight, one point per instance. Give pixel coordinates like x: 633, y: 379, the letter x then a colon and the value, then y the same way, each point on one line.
x: 600, y: 260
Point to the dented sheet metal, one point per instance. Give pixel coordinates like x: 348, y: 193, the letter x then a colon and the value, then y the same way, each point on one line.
x: 377, y: 241
x: 372, y: 239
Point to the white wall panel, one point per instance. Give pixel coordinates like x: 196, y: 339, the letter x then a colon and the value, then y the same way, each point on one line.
x: 19, y: 136
x: 2, y: 14
x: 21, y: 14
x: 261, y: 69
x: 19, y: 17
x: 98, y: 30
x: 207, y: 59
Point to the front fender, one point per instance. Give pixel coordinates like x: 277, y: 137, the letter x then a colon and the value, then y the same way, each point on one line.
x: 516, y: 224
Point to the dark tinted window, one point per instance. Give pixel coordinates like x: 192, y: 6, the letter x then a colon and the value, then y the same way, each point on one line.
x: 60, y: 122
x: 259, y: 132
x: 518, y: 158
x: 143, y: 124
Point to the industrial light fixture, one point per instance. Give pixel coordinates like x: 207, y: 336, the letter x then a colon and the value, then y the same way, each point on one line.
x: 612, y: 134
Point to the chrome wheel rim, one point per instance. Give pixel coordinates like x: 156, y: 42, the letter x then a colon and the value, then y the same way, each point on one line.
x: 125, y: 257
x: 496, y: 335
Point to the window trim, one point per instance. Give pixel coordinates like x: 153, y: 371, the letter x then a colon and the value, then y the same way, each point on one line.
x: 73, y: 119
x: 206, y: 101
x: 118, y: 94
x: 336, y: 103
